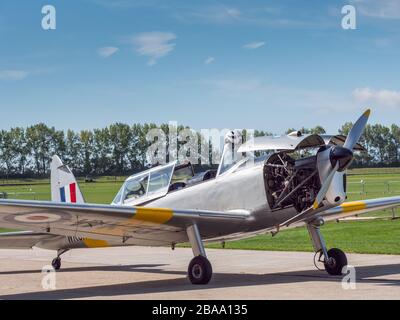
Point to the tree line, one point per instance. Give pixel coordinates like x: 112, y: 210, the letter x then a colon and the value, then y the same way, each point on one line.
x: 120, y: 149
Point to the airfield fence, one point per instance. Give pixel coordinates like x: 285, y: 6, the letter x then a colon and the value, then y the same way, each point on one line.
x: 23, y: 195
x: 365, y: 188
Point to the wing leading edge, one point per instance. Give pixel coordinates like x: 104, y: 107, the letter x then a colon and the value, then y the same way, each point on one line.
x: 352, y: 208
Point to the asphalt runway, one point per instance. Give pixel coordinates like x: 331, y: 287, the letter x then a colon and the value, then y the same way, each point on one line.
x: 160, y: 273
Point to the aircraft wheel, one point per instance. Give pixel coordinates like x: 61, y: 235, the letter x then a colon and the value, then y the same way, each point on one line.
x: 337, y: 260
x: 56, y: 263
x: 200, y: 270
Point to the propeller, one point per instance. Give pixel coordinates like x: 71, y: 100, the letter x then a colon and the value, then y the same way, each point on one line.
x: 339, y: 158
x: 331, y: 161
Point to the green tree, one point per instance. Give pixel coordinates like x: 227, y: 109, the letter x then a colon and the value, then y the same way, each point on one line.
x: 73, y: 148
x: 136, y: 144
x: 39, y: 142
x: 8, y: 155
x: 317, y: 130
x: 86, y: 152
x: 395, y: 131
x: 102, y: 151
x: 381, y: 142
x: 119, y: 136
x: 21, y: 148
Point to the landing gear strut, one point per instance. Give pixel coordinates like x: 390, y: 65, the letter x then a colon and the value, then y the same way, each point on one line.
x: 334, y: 260
x: 200, y: 269
x: 56, y: 263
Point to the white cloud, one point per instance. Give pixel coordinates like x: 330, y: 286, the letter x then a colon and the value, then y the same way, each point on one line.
x: 154, y: 45
x: 13, y: 75
x: 385, y: 9
x: 254, y: 45
x: 233, y: 12
x: 382, y: 98
x: 213, y: 14
x: 233, y: 87
x: 259, y: 92
x: 246, y: 15
x: 209, y: 60
x: 382, y: 42
x: 106, y: 52
x: 125, y: 4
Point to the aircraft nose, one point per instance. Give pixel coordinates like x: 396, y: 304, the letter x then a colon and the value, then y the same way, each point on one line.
x: 341, y: 155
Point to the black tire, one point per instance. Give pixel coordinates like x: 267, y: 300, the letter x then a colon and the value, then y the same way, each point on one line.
x: 200, y: 270
x: 56, y: 263
x: 337, y: 261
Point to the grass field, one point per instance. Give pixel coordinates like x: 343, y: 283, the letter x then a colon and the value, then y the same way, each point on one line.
x: 378, y: 236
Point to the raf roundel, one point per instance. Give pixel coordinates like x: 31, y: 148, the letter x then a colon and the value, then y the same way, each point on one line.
x: 37, y: 217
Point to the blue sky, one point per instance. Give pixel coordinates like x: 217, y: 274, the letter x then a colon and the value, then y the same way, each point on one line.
x: 208, y: 64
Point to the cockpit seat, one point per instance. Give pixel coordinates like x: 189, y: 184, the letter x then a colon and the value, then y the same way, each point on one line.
x: 176, y: 186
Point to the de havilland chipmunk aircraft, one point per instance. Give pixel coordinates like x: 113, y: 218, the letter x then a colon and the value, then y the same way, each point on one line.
x: 285, y: 185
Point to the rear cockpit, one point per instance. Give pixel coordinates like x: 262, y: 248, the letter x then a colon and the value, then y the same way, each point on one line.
x: 156, y: 182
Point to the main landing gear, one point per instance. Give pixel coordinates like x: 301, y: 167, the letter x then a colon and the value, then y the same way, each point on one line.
x: 56, y: 263
x: 200, y: 270
x: 334, y: 259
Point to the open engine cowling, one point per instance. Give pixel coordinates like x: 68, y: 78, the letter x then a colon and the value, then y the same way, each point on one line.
x: 297, y: 182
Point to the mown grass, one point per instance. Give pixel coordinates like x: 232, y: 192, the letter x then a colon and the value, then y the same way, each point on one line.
x: 377, y: 236
x: 97, y: 192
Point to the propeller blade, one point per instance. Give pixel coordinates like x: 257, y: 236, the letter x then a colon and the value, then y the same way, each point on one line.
x: 325, y: 186
x: 342, y: 156
x: 356, y: 131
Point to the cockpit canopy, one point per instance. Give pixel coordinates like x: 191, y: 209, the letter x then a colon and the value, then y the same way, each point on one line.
x: 153, y: 183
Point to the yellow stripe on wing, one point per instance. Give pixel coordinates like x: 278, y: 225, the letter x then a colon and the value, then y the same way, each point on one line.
x: 353, y: 206
x: 93, y: 243
x: 146, y: 217
x: 153, y: 215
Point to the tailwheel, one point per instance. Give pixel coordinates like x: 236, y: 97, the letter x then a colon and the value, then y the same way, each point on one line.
x: 200, y: 270
x: 336, y: 261
x: 56, y: 263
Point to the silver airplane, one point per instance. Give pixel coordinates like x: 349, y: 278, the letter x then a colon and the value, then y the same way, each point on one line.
x: 285, y: 185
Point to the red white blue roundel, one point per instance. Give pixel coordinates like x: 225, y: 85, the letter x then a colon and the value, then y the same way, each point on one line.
x: 40, y: 217
x: 37, y: 217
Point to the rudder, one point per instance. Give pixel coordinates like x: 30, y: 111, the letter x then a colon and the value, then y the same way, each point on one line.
x: 64, y: 187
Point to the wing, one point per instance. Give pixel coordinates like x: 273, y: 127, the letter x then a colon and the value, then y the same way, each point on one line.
x: 21, y: 239
x: 347, y: 209
x: 352, y: 208
x: 130, y: 225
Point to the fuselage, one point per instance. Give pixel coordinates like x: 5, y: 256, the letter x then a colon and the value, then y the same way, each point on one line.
x: 269, y: 192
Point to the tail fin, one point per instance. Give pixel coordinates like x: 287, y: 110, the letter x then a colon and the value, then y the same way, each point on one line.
x: 64, y: 187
